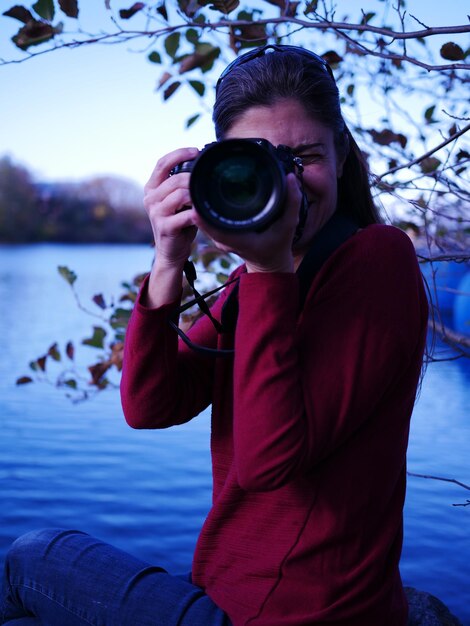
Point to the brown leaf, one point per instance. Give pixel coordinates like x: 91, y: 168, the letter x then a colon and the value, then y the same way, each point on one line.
x: 163, y: 79
x: 311, y: 6
x: 70, y: 350
x: 19, y: 13
x: 292, y: 9
x: 69, y: 7
x: 452, y: 52
x: 462, y: 154
x: 99, y: 300
x: 205, y: 53
x: 126, y: 14
x: 53, y: 352
x: 162, y: 11
x: 280, y: 4
x: 386, y: 137
x: 253, y: 32
x: 332, y: 58
x: 117, y: 352
x: 246, y: 36
x: 97, y: 372
x: 128, y: 297
x: 24, y: 380
x: 33, y: 33
x: 224, y: 6
x: 170, y: 90
x: 190, y: 61
x: 189, y: 7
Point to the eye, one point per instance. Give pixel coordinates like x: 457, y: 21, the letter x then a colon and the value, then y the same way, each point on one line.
x: 311, y: 157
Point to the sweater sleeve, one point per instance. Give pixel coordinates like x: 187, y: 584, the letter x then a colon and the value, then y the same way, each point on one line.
x: 303, y: 387
x: 164, y: 382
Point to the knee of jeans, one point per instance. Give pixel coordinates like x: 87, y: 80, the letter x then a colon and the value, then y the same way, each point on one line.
x: 32, y: 544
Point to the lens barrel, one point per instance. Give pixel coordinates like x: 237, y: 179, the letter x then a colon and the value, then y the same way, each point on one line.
x: 239, y: 184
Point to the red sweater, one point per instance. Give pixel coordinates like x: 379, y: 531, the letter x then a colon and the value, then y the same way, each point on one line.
x: 310, y: 425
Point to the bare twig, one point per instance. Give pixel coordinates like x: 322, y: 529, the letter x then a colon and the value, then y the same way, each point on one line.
x: 446, y: 480
x: 460, y: 257
x: 450, y: 336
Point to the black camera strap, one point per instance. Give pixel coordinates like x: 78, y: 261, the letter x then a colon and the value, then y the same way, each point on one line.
x: 191, y: 276
x: 303, y: 211
x: 330, y: 237
x: 200, y: 299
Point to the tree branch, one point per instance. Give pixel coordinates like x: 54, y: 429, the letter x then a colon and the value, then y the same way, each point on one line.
x: 450, y: 336
x: 459, y: 257
x: 426, y: 154
x: 446, y: 480
x: 324, y: 25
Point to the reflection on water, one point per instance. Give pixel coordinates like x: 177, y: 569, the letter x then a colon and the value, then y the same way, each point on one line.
x: 81, y: 466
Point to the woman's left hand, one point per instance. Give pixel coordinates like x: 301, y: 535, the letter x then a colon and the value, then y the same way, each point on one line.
x: 269, y: 250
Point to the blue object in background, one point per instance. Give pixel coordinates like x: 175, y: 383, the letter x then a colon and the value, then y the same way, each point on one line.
x: 462, y: 306
x: 443, y: 280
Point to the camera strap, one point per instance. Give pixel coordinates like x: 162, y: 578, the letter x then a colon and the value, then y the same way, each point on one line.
x: 200, y: 300
x: 330, y: 237
x: 191, y: 276
x: 303, y: 211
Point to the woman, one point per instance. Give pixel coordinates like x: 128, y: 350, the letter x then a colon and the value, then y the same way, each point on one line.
x: 310, y: 415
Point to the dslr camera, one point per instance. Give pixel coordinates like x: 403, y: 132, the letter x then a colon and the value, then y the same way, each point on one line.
x: 240, y: 184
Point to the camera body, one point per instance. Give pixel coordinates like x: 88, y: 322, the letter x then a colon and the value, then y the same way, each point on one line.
x: 240, y: 184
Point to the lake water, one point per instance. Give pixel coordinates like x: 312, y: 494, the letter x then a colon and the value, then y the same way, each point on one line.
x: 81, y: 466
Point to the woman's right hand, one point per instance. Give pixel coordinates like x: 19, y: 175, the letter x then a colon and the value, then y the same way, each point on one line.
x: 169, y: 207
x: 168, y: 204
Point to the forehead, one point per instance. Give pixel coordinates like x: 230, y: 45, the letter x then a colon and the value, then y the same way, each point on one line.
x: 284, y: 122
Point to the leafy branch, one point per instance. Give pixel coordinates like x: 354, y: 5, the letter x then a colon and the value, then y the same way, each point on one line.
x: 107, y: 338
x: 243, y: 29
x: 113, y: 324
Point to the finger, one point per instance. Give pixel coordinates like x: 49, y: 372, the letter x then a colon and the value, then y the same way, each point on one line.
x: 164, y: 165
x: 176, y: 223
x: 174, y: 200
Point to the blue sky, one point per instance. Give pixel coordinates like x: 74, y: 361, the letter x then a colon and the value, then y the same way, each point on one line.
x: 72, y: 114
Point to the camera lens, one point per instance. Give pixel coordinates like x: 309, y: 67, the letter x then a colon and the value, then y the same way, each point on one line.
x: 238, y: 184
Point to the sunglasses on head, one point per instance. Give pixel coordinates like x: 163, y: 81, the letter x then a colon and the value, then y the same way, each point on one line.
x: 270, y: 48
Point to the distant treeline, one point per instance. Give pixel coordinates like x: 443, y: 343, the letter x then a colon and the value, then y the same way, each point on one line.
x: 100, y: 210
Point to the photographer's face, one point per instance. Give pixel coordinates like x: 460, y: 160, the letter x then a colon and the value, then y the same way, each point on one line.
x: 286, y: 122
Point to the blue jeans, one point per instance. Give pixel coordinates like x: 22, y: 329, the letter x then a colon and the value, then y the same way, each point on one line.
x: 67, y: 578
